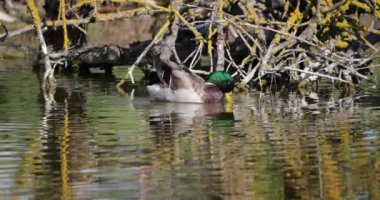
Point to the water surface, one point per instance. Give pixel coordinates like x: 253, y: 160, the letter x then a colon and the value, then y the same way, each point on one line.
x: 89, y: 141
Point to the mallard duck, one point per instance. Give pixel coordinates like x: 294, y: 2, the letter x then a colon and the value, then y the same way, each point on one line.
x: 180, y: 85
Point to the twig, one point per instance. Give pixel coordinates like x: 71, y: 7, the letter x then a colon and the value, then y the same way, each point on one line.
x: 341, y: 64
x: 190, y: 55
x: 142, y: 55
x: 234, y: 64
x: 146, y: 50
x: 250, y: 37
x: 199, y: 72
x: 317, y: 74
x: 209, y: 43
x: 276, y: 31
x: 197, y: 56
x: 333, y: 7
x: 218, y: 10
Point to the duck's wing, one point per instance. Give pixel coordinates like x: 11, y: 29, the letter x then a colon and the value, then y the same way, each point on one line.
x: 167, y: 76
x: 164, y: 81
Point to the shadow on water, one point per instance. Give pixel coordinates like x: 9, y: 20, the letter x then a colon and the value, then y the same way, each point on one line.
x: 86, y: 140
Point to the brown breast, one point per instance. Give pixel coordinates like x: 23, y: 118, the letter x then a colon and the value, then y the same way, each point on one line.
x: 211, y: 93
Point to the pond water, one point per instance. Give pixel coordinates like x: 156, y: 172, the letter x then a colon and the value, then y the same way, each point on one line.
x: 90, y: 141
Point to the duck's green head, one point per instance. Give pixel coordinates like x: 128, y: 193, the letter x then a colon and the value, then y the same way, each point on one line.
x: 223, y: 80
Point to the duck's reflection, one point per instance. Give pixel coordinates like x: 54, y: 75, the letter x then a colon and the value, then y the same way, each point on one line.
x: 187, y: 136
x: 169, y: 118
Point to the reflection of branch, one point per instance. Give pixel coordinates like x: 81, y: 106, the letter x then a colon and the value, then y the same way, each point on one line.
x: 64, y: 151
x: 3, y: 37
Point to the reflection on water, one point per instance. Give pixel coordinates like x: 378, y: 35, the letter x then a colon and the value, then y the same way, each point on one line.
x: 87, y: 141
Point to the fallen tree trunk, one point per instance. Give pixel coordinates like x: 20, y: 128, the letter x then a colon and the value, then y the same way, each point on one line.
x: 110, y: 55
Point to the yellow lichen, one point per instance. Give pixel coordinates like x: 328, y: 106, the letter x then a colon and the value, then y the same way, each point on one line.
x: 348, y: 38
x: 341, y: 44
x: 294, y: 18
x: 277, y: 38
x: 313, y: 10
x: 345, y: 33
x: 198, y: 36
x: 254, y: 50
x: 257, y: 31
x: 361, y: 5
x: 162, y: 30
x: 286, y: 7
x: 377, y: 13
x: 329, y: 2
x: 282, y: 52
x: 275, y: 50
x: 220, y: 8
x: 253, y: 15
x: 327, y: 18
x: 33, y: 9
x: 65, y: 32
x: 343, y: 25
x: 345, y: 6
